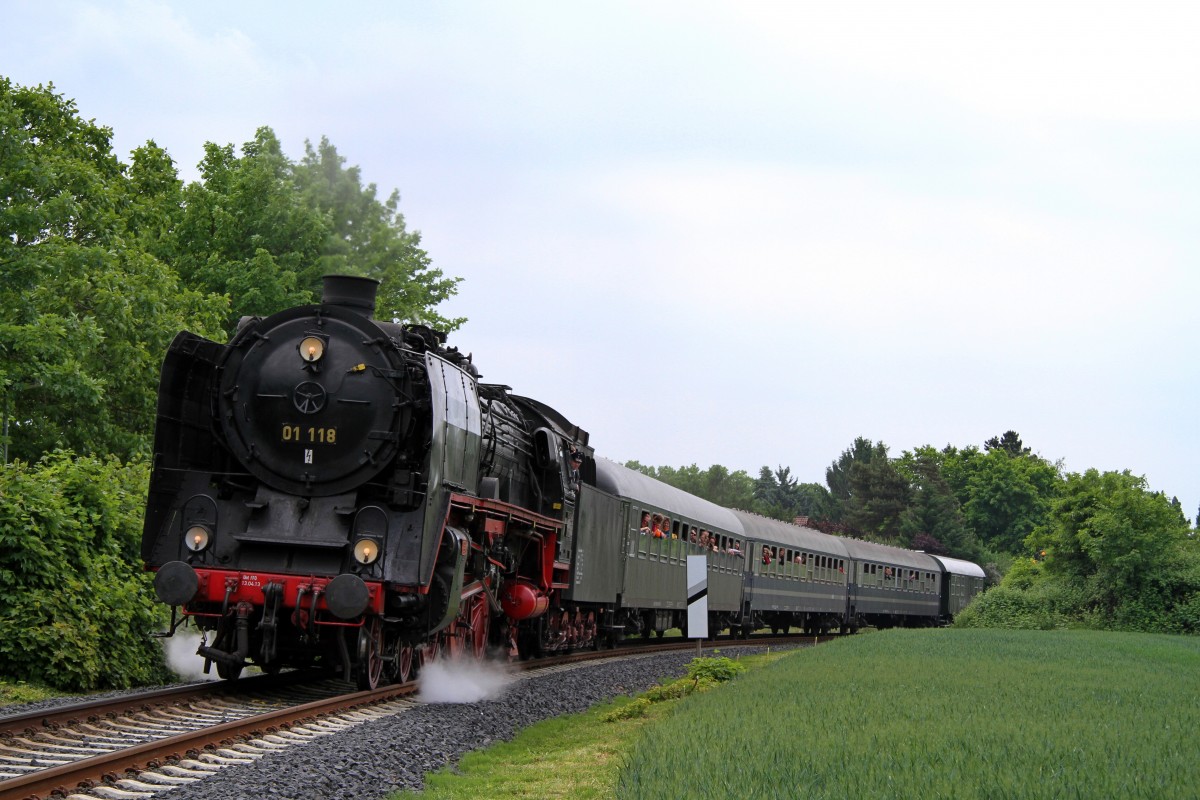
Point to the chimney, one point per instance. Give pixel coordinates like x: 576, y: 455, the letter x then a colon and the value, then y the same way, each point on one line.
x: 801, y: 521
x: 349, y: 291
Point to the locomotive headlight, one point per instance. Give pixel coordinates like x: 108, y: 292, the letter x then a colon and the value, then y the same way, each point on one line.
x: 312, y: 348
x: 197, y: 538
x: 366, y: 551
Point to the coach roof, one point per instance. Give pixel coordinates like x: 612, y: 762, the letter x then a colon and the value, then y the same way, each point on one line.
x: 793, y: 536
x: 627, y: 483
x: 956, y: 566
x: 886, y: 554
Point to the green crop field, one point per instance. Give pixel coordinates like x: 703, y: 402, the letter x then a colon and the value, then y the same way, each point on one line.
x: 940, y: 714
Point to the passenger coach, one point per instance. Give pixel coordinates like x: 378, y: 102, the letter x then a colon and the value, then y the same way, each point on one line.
x: 763, y: 572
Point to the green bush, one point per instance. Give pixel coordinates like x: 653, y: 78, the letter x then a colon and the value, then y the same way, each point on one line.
x: 75, y: 606
x: 716, y: 669
x: 637, y: 707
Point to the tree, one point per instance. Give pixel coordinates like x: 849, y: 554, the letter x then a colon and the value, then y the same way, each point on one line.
x: 837, y: 476
x: 775, y: 492
x: 716, y: 484
x: 933, y: 520
x: 246, y: 231
x: 88, y: 312
x: 1010, y: 443
x: 1009, y: 497
x: 879, y: 496
x: 369, y: 238
x: 1109, y: 531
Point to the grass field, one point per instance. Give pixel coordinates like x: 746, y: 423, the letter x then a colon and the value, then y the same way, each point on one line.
x: 901, y: 714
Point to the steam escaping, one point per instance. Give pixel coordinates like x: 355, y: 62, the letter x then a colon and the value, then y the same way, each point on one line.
x: 183, y: 659
x: 462, y: 680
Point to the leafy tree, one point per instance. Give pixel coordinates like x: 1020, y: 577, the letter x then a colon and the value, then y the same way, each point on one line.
x: 368, y: 237
x: 1109, y: 531
x: 813, y: 501
x: 247, y: 232
x: 716, y: 484
x: 879, y: 496
x: 837, y: 476
x: 88, y: 312
x: 934, y: 521
x: 1010, y: 443
x: 775, y: 492
x: 1111, y: 555
x: 1008, y: 497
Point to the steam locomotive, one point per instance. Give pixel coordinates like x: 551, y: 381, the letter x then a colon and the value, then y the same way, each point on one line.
x: 334, y: 490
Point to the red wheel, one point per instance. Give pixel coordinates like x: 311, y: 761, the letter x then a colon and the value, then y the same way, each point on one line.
x: 370, y: 654
x: 453, y: 644
x: 479, y: 622
x: 404, y: 663
x: 431, y: 650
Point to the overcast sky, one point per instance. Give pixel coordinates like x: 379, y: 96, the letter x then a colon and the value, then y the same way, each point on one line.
x: 740, y: 233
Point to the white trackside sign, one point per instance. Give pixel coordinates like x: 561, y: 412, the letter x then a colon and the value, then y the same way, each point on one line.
x: 697, y: 597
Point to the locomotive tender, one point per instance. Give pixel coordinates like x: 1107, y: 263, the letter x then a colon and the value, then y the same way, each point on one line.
x: 334, y: 490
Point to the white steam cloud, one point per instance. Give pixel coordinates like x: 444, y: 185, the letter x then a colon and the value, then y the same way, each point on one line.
x: 462, y: 680
x: 182, y: 657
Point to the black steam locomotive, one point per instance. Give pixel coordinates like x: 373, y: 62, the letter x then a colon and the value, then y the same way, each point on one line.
x: 334, y: 490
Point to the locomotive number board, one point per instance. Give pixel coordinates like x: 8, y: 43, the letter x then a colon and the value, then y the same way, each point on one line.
x: 300, y: 434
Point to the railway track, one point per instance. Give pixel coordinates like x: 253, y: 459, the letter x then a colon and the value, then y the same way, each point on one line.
x: 141, y: 745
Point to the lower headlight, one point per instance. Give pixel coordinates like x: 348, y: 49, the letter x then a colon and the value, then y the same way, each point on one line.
x: 366, y: 551
x: 197, y: 538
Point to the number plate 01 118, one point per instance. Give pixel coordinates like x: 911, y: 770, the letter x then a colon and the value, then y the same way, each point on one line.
x: 301, y: 434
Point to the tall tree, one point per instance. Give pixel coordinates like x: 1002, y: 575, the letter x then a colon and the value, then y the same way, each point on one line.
x: 1009, y: 497
x: 247, y: 232
x: 1010, y: 442
x: 370, y: 238
x: 1124, y: 544
x: 837, y: 476
x: 933, y: 520
x: 88, y: 312
x: 879, y: 496
x: 716, y: 484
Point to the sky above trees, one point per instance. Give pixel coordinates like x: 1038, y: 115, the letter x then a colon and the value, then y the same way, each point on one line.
x: 739, y: 234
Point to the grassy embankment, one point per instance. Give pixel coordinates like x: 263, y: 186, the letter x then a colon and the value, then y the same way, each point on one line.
x: 904, y: 714
x: 17, y: 692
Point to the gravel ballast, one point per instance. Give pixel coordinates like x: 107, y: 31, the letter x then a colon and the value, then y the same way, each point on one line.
x: 376, y: 758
